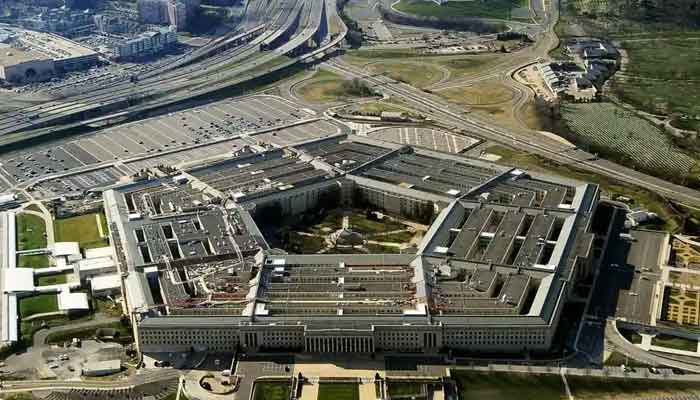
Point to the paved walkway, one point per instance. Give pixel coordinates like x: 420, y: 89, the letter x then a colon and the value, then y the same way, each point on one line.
x: 310, y: 392
x: 367, y: 391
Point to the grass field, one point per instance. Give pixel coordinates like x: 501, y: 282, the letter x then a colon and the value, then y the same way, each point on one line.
x: 458, y: 65
x: 497, y: 9
x: 376, y: 107
x: 324, y: 86
x: 31, y: 232
x: 506, y: 386
x: 47, y: 280
x: 39, y: 304
x: 674, y: 342
x: 82, y: 229
x: 338, y: 391
x: 497, y: 386
x: 641, y: 197
x: 661, y: 76
x: 416, y: 74
x: 620, y: 134
x: 405, y: 389
x: 33, y: 261
x: 478, y: 94
x: 271, y: 391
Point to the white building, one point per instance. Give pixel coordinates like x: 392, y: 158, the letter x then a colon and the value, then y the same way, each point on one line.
x: 146, y: 44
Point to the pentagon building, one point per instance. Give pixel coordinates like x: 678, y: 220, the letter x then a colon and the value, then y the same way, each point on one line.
x: 492, y: 273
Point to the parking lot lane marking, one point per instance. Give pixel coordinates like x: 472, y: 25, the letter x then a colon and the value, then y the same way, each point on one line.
x: 109, y: 140
x: 126, y: 135
x: 102, y: 153
x: 72, y: 156
x: 168, y: 131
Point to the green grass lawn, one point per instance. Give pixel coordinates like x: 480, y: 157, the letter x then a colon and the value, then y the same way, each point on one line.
x: 458, y: 65
x: 415, y: 74
x: 338, y: 391
x: 47, y: 280
x: 303, y: 244
x: 82, y: 229
x: 325, y: 86
x: 376, y: 107
x: 405, y: 389
x: 506, y: 386
x: 271, y: 391
x: 31, y: 232
x: 673, y: 342
x: 502, y: 386
x: 661, y: 76
x: 360, y: 223
x: 33, y: 261
x: 497, y: 9
x: 588, y: 388
x: 39, y: 304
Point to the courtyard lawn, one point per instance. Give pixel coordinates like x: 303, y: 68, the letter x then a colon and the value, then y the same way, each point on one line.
x: 272, y: 391
x: 39, y: 304
x: 405, y: 389
x: 360, y: 223
x: 338, y: 391
x: 33, y: 261
x: 47, y: 280
x: 31, y: 232
x: 82, y: 229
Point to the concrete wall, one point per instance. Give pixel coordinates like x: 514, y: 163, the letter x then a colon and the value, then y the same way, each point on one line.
x: 30, y: 71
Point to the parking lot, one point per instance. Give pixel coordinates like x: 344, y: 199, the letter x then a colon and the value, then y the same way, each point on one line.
x: 156, y: 135
x: 429, y: 138
x: 77, y: 183
x: 80, y: 182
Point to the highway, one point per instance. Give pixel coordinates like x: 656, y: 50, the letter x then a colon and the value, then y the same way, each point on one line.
x: 142, y: 378
x: 530, y: 141
x: 285, y: 18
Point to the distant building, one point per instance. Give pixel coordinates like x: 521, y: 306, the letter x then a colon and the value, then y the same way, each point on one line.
x: 146, y: 44
x: 21, y: 66
x: 37, y: 56
x: 153, y: 11
x: 172, y: 12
